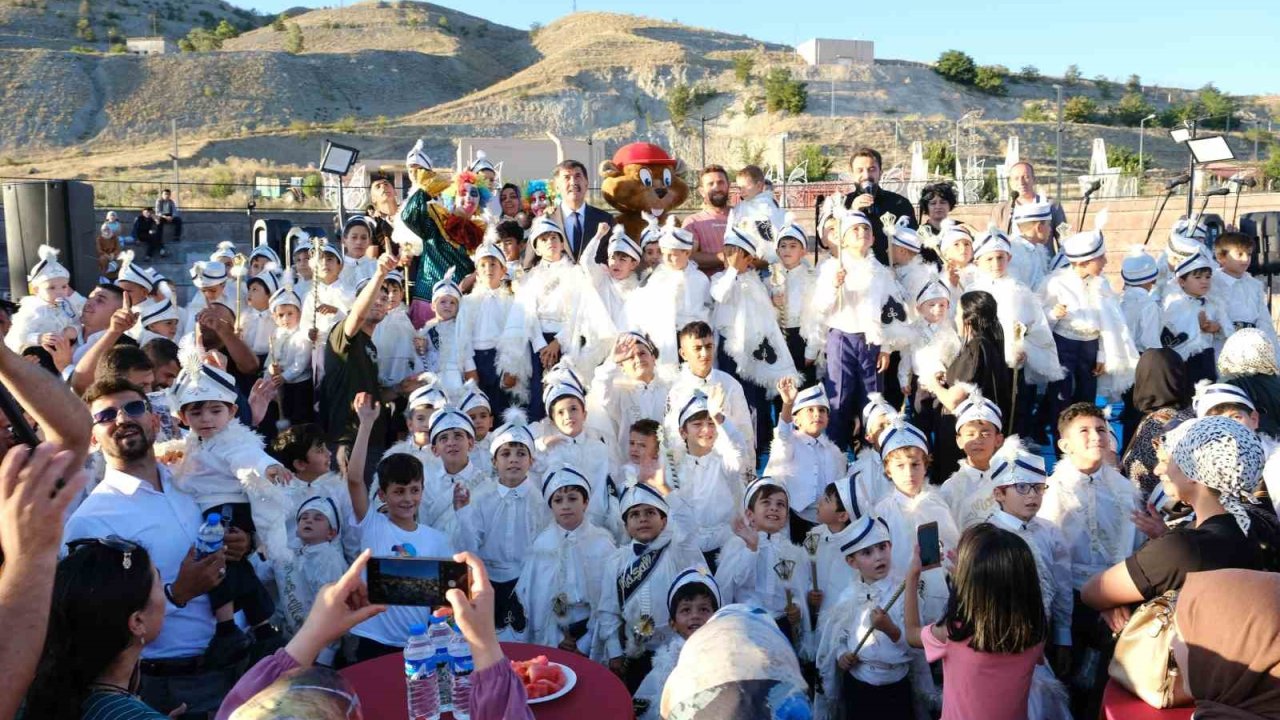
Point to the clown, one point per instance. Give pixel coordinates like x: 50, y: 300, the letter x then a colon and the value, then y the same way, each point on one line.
x: 422, y: 234
x: 537, y: 197
x: 465, y: 196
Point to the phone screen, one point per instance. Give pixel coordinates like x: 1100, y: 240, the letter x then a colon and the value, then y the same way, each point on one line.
x: 420, y: 582
x: 930, y: 548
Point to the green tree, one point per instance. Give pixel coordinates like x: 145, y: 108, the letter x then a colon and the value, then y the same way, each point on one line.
x: 84, y: 30
x: 1104, y: 86
x: 743, y: 64
x: 940, y: 157
x: 278, y: 23
x: 293, y: 40
x: 957, y: 67
x: 781, y: 92
x: 1131, y: 109
x: 225, y: 30
x: 1271, y: 168
x: 679, y: 102
x: 222, y: 184
x: 1080, y: 109
x: 1072, y: 75
x: 990, y: 79
x: 346, y: 125
x: 1029, y: 73
x: 1126, y: 159
x: 313, y: 185
x: 1036, y: 111
x: 1217, y: 104
x: 816, y: 163
x: 1133, y: 84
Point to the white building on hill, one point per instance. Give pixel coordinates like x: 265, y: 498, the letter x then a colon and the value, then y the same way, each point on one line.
x: 827, y: 51
x: 149, y: 46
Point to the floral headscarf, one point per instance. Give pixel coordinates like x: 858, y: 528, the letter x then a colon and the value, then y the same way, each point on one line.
x: 1224, y: 455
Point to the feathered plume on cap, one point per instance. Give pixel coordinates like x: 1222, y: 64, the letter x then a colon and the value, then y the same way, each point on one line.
x: 652, y: 228
x: 1013, y: 463
x: 514, y: 429
x: 446, y: 286
x: 905, y: 236
x: 992, y: 240
x: 674, y: 237
x: 417, y: 157
x: 481, y: 163
x: 131, y: 273
x: 285, y: 295
x: 620, y: 242
x: 473, y: 397
x: 47, y: 267
x: 902, y: 434
x: 791, y: 230
x: 975, y: 408
x: 200, y: 382
x: 226, y: 250
x: 1085, y: 246
x: 208, y: 274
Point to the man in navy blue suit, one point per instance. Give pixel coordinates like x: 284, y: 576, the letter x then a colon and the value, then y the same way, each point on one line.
x: 578, y: 219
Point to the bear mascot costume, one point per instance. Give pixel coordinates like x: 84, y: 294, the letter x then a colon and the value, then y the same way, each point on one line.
x: 642, y: 178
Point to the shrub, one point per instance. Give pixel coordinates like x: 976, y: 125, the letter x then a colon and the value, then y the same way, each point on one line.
x: 679, y: 102
x: 1029, y: 73
x: 313, y: 185
x: 293, y: 40
x: 990, y: 79
x: 118, y: 48
x: 278, y: 23
x: 1072, y: 75
x: 1131, y: 109
x: 346, y: 125
x: 225, y: 30
x: 956, y: 67
x: 1079, y: 109
x: 201, y: 40
x: 222, y: 184
x: 1134, y: 84
x: 1216, y: 104
x: 816, y: 163
x: 783, y: 93
x: 940, y: 156
x: 1271, y: 168
x: 743, y: 64
x: 750, y: 153
x: 1122, y: 157
x: 1037, y: 111
x: 1104, y: 86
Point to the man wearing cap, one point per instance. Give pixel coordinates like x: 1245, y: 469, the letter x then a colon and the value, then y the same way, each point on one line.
x: 351, y: 367
x: 578, y: 219
x: 1022, y: 179
x: 708, y: 224
x: 873, y: 201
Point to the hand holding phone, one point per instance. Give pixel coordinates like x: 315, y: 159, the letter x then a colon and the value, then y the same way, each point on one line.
x: 415, y: 581
x: 930, y: 547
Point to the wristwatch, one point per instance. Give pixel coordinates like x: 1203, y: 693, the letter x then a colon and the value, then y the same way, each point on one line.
x: 168, y: 594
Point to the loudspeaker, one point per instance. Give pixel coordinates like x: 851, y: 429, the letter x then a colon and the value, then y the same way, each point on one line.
x: 271, y: 232
x: 58, y: 213
x: 1264, y: 227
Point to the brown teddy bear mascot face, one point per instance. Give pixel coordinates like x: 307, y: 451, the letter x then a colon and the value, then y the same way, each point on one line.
x: 642, y: 177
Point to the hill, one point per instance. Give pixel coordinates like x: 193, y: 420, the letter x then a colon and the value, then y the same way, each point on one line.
x: 381, y: 73
x: 56, y: 24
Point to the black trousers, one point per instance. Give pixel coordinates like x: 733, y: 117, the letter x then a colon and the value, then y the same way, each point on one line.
x: 874, y: 701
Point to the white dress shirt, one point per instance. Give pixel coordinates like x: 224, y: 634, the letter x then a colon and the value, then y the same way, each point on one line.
x: 484, y: 312
x: 969, y: 494
x: 1053, y: 566
x: 165, y: 523
x: 806, y: 465
x: 500, y: 524
x: 1093, y: 512
x: 736, y: 409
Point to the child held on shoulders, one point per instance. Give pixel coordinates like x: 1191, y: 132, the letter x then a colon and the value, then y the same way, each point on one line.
x: 301, y: 449
x: 45, y: 311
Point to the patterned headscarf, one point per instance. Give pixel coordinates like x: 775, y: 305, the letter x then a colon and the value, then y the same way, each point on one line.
x: 1224, y: 455
x: 1247, y: 352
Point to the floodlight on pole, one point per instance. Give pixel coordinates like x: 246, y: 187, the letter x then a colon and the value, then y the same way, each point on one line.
x: 337, y: 160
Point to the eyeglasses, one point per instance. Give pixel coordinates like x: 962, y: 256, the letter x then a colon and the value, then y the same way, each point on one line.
x: 115, y: 542
x: 1030, y: 488
x: 134, y: 409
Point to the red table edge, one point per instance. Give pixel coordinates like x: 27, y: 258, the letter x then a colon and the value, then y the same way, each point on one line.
x: 1131, y: 707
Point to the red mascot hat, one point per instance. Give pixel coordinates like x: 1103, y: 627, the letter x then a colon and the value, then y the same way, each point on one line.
x: 641, y: 153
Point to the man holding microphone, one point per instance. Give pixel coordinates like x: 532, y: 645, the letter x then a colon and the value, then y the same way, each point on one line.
x: 873, y: 201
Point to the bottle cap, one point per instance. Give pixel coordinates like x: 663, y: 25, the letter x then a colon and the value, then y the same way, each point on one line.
x: 213, y: 519
x: 417, y: 629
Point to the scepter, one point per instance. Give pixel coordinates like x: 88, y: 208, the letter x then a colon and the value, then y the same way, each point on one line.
x: 237, y: 272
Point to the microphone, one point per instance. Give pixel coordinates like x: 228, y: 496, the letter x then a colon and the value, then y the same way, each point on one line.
x: 1182, y: 179
x: 1224, y: 190
x: 1013, y: 197
x: 1093, y: 188
x: 1242, y: 181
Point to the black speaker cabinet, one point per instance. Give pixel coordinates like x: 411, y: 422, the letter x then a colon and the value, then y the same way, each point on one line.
x: 58, y: 213
x: 1265, y: 228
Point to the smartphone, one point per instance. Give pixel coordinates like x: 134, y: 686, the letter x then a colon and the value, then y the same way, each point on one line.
x: 930, y: 548
x: 22, y: 430
x: 415, y: 581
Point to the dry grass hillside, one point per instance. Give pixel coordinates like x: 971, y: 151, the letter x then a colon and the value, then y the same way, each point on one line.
x: 53, y: 24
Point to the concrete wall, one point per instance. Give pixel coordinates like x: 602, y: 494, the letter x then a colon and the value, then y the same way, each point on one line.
x: 828, y: 51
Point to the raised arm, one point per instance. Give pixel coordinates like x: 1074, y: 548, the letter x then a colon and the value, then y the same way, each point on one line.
x: 364, y: 301
x: 86, y: 370
x: 61, y: 415
x: 367, y: 410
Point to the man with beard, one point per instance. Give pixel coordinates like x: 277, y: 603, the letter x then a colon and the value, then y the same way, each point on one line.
x: 873, y: 201
x: 105, y: 299
x: 385, y: 204
x: 351, y: 367
x: 138, y: 502
x: 708, y: 224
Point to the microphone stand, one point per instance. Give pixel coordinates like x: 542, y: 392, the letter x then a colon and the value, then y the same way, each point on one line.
x: 1084, y: 211
x: 1167, y: 194
x: 1204, y: 204
x: 1013, y: 204
x: 1235, y: 214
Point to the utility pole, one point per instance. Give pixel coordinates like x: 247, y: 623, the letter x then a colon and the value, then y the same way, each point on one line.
x: 177, y: 179
x: 1058, y: 150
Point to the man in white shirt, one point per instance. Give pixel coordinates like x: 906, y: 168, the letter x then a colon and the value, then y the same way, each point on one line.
x: 136, y: 501
x: 579, y: 219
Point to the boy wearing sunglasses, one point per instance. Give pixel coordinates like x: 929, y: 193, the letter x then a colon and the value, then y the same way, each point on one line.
x: 1020, y: 482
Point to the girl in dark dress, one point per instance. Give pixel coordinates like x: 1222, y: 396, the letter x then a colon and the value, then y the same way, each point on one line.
x: 980, y: 363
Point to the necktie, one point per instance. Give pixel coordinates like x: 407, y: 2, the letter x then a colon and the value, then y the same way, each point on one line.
x: 575, y: 238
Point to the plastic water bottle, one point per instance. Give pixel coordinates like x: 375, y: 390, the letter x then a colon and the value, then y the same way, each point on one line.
x: 440, y: 634
x: 420, y: 679
x: 209, y: 536
x: 461, y: 666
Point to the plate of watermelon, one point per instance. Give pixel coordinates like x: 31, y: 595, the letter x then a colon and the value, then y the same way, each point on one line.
x: 544, y: 680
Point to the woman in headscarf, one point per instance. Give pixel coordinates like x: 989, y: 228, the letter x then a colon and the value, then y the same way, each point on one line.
x: 1214, y: 467
x: 1161, y: 395
x: 1228, y: 643
x: 1248, y: 361
x: 738, y: 665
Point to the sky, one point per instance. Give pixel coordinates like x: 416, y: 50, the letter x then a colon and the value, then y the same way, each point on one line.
x: 1115, y: 38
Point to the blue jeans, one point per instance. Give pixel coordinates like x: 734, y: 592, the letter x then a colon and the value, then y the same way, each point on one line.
x: 850, y: 376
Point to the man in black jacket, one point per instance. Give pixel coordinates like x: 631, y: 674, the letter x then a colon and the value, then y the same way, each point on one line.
x: 873, y: 201
x: 146, y: 230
